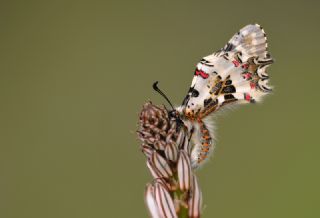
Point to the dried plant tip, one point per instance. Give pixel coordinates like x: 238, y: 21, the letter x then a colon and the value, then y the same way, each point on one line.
x: 153, y: 115
x: 184, y: 171
x: 164, y: 201
x: 171, y: 152
x: 151, y: 202
x: 155, y: 127
x: 160, y: 165
x: 174, y: 191
x: 195, y: 200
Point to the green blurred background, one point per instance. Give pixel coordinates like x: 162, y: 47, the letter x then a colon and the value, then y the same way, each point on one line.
x: 73, y: 78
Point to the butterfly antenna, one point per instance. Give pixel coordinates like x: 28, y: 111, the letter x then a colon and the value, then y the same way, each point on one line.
x: 155, y: 87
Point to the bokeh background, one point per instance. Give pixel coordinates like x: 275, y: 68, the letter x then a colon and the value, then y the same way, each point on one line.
x: 73, y: 78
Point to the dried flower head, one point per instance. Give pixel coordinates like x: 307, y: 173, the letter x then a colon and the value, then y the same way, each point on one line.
x: 174, y: 191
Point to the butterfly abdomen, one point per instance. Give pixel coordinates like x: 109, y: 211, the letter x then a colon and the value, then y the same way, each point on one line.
x: 203, y: 144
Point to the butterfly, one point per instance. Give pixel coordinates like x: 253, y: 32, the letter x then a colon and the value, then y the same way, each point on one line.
x: 235, y: 74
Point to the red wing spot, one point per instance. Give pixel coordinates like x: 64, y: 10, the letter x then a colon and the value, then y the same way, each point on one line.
x: 247, y: 76
x: 245, y: 66
x: 236, y: 63
x: 202, y: 74
x: 247, y: 97
x: 252, y: 85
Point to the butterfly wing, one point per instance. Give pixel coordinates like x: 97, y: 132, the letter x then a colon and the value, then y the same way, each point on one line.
x: 233, y: 75
x: 251, y: 41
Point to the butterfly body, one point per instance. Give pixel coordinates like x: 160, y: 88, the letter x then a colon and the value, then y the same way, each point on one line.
x: 235, y: 74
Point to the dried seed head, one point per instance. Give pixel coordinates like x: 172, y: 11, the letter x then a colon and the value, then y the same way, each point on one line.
x: 165, y: 143
x: 155, y: 127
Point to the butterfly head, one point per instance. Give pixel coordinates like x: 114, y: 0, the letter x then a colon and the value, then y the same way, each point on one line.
x: 174, y: 113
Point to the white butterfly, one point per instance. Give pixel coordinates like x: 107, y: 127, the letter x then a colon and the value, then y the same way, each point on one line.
x: 235, y: 74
